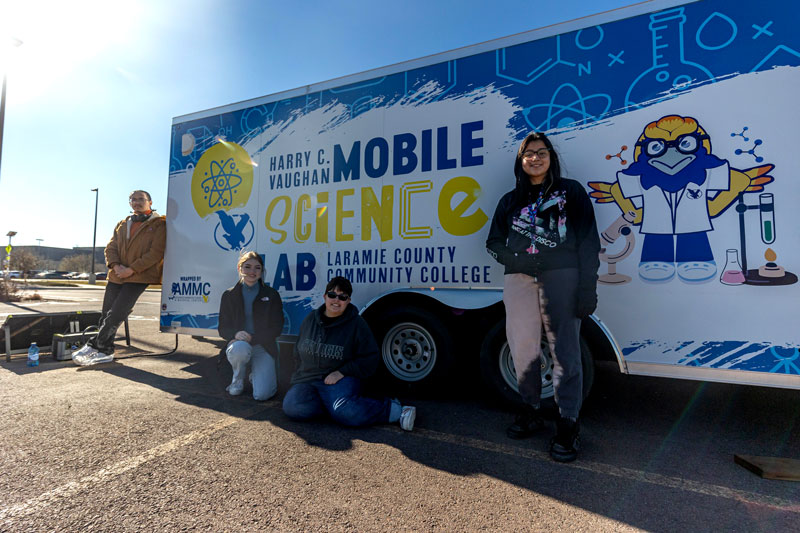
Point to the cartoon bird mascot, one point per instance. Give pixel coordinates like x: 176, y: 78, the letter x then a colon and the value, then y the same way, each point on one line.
x: 682, y: 186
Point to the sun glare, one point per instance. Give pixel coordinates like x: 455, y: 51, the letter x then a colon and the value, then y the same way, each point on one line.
x: 57, y: 37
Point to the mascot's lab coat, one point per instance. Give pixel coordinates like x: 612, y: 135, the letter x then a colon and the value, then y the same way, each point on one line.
x: 684, y: 211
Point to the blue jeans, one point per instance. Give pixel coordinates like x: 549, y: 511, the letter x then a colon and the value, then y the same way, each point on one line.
x: 263, y: 375
x: 342, y: 401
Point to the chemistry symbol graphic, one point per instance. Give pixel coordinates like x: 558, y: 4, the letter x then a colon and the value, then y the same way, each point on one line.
x: 681, y: 185
x: 221, y: 182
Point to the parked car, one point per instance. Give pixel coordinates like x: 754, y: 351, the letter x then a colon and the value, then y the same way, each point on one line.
x: 12, y: 274
x: 52, y: 274
x: 101, y: 275
x: 82, y: 275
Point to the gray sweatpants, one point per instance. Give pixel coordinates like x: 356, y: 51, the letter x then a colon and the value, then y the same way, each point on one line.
x: 548, y: 300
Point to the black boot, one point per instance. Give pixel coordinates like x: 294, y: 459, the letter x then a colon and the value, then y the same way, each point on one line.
x: 526, y: 424
x: 564, y: 446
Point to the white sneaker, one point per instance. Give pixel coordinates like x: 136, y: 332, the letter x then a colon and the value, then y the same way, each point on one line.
x: 79, y: 356
x: 407, y: 417
x: 235, y: 388
x: 95, y: 358
x: 81, y: 353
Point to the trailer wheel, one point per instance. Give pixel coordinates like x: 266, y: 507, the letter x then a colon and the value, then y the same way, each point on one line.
x: 415, y: 346
x: 497, y: 368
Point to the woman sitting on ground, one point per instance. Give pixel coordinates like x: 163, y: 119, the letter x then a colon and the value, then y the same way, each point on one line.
x: 335, y: 351
x: 250, y: 319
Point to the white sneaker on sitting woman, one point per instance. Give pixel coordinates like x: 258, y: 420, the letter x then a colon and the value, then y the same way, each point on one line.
x: 407, y: 417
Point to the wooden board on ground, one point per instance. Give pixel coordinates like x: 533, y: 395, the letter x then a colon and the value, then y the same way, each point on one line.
x: 770, y: 467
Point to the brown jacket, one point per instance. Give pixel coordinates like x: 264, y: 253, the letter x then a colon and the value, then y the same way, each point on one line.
x: 144, y: 252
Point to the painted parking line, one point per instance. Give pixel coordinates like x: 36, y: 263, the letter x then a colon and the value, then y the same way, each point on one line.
x: 106, y: 474
x: 631, y: 474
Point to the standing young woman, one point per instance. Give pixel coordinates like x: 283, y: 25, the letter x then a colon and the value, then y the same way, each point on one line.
x: 544, y: 233
x: 250, y: 319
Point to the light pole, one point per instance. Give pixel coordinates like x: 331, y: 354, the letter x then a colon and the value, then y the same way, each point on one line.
x: 8, y: 251
x: 15, y: 42
x: 92, y: 275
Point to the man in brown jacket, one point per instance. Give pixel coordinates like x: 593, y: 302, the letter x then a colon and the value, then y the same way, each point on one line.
x: 135, y: 257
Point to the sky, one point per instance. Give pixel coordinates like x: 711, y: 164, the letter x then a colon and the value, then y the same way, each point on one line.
x: 94, y: 86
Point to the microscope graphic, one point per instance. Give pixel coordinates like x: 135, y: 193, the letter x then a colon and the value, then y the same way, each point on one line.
x: 620, y: 228
x: 737, y: 273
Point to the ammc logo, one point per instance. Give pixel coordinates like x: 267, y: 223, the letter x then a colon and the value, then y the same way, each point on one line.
x: 221, y: 182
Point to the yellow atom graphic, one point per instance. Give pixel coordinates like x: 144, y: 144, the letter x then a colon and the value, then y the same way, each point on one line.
x: 222, y: 179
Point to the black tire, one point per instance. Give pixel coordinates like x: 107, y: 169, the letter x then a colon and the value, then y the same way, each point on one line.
x: 497, y: 368
x: 415, y: 346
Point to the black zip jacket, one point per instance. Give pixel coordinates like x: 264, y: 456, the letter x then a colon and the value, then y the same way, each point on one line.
x: 344, y: 343
x: 564, y: 232
x: 267, y: 316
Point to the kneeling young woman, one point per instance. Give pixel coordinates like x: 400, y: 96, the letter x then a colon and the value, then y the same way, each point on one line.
x: 250, y: 319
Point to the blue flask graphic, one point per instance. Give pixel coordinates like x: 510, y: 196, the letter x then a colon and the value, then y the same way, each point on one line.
x: 671, y: 72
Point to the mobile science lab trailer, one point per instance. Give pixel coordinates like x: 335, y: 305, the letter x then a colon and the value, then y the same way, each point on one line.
x: 680, y: 119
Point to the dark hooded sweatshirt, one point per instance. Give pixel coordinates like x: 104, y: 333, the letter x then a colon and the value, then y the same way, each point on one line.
x: 564, y: 234
x: 344, y: 343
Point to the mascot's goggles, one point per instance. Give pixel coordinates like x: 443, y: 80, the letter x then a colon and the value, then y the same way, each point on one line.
x: 685, y: 144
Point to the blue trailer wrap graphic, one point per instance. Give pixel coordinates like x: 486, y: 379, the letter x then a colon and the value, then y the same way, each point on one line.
x: 572, y: 79
x: 391, y: 178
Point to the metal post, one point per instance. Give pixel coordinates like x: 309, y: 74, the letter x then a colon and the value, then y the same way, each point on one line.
x: 8, y: 252
x: 92, y: 277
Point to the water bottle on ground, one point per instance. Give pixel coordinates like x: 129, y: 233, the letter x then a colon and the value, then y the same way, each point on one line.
x: 33, y: 355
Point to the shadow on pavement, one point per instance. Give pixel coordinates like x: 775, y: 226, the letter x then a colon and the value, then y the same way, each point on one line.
x: 656, y: 455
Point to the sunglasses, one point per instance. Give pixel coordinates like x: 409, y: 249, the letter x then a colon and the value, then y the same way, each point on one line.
x: 332, y: 295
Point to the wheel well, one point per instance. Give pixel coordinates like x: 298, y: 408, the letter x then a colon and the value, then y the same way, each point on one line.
x: 398, y: 300
x: 478, y: 321
x: 466, y: 326
x: 601, y: 346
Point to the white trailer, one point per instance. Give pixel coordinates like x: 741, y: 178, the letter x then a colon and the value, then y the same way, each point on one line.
x: 679, y: 118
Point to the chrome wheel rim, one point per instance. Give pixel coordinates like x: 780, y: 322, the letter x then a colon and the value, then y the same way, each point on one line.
x: 409, y: 351
x: 509, y: 373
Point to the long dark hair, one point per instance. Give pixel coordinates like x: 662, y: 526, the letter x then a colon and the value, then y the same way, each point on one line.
x: 522, y: 186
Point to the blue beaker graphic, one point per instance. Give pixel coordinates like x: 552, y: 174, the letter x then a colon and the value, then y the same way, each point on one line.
x: 671, y: 72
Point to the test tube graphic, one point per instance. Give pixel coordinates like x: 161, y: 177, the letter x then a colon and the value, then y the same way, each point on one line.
x: 766, y: 211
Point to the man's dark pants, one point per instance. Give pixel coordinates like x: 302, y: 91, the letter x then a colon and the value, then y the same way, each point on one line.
x: 118, y: 303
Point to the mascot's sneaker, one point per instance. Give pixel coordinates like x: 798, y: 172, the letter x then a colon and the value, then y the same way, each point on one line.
x: 656, y: 271
x: 697, y: 271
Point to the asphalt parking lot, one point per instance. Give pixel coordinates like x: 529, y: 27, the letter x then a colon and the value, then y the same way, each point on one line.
x: 155, y: 444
